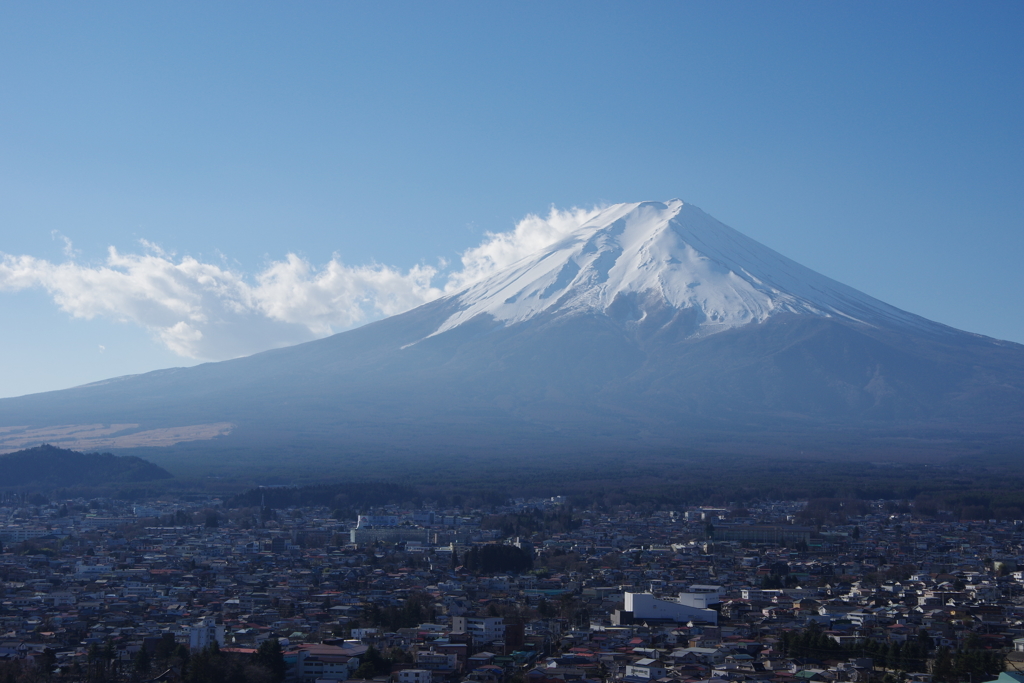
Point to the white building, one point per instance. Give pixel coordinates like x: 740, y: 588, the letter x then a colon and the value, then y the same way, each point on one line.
x: 203, y: 634
x: 437, y: 661
x: 414, y: 676
x: 62, y: 598
x: 360, y: 633
x: 17, y: 534
x: 645, y: 606
x: 701, y: 597
x: 646, y: 668
x: 483, y: 629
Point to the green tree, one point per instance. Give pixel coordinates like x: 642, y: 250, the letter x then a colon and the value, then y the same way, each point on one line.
x: 209, y: 666
x: 165, y: 648
x: 142, y: 662
x: 270, y: 656
x: 373, y: 657
x: 942, y: 668
x: 494, y: 558
x: 94, y: 658
x: 366, y: 671
x: 48, y: 661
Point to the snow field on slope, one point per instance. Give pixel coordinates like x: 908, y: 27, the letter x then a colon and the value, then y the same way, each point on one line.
x: 675, y: 252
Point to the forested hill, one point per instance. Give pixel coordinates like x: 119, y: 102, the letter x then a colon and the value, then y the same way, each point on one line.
x: 51, y: 467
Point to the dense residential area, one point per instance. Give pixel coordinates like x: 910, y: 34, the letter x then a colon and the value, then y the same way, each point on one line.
x: 531, y: 591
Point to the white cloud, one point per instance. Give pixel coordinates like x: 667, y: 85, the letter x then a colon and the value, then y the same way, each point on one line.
x: 501, y: 249
x: 339, y: 296
x: 69, y: 248
x: 203, y: 310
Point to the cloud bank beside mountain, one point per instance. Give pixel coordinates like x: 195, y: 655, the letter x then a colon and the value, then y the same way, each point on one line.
x: 211, y: 312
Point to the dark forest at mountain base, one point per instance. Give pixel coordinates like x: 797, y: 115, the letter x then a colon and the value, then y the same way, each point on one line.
x: 948, y: 492
x: 969, y: 488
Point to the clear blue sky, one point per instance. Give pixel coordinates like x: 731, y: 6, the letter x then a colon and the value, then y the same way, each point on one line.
x: 878, y: 143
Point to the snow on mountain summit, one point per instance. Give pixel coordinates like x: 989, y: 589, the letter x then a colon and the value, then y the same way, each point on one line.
x: 647, y: 255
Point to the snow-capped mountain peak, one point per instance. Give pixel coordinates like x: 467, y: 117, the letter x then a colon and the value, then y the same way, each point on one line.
x: 649, y: 255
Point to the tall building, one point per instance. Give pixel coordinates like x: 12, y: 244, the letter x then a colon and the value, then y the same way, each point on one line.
x: 203, y: 634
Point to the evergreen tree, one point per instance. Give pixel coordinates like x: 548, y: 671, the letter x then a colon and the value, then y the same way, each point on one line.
x: 365, y: 671
x: 494, y: 558
x: 141, y: 662
x: 270, y: 656
x: 94, y: 658
x: 942, y: 668
x: 48, y: 661
x: 109, y: 654
x: 892, y: 656
x: 165, y: 648
x: 376, y: 660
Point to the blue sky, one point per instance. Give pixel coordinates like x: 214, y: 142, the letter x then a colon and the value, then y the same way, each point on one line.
x: 272, y: 172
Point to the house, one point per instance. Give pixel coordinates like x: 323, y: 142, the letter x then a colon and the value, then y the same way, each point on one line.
x: 646, y: 669
x: 710, y: 656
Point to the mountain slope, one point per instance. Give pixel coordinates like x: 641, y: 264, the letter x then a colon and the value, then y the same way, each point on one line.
x: 652, y: 325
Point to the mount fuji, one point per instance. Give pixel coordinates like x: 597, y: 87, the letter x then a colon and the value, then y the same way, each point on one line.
x: 634, y: 260
x: 651, y: 326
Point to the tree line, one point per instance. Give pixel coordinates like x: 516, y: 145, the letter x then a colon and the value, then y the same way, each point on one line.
x: 971, y: 662
x: 102, y: 665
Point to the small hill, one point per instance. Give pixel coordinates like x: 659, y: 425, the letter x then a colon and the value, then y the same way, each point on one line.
x: 51, y: 467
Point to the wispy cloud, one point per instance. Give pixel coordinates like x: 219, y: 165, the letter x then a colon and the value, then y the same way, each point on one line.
x: 209, y: 311
x: 501, y: 249
x: 69, y: 248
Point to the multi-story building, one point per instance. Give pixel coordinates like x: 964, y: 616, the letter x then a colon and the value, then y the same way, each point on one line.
x: 204, y: 634
x: 482, y: 629
x: 414, y: 676
x: 318, y: 662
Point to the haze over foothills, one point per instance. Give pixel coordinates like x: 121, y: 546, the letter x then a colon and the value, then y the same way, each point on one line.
x: 188, y: 182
